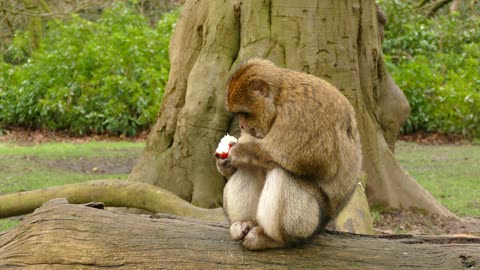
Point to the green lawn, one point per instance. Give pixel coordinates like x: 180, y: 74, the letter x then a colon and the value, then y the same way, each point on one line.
x: 52, y: 164
x: 451, y: 173
x: 45, y: 165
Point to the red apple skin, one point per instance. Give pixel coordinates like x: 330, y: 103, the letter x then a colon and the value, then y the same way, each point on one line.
x: 224, y: 155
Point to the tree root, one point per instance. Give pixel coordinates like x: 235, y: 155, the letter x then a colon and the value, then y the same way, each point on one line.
x: 114, y: 193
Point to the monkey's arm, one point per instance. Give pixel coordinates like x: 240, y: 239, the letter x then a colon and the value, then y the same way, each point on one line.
x: 225, y: 167
x: 250, y: 154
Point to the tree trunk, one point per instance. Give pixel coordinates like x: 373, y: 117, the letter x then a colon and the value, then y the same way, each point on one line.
x: 455, y: 6
x: 335, y: 40
x: 63, y: 236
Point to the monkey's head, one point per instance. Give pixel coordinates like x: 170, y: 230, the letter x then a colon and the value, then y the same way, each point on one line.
x: 252, y: 98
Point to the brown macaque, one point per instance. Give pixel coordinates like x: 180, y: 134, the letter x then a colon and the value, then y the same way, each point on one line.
x: 297, y: 159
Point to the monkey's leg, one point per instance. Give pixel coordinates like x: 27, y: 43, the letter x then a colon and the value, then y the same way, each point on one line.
x: 288, y: 211
x: 240, y: 200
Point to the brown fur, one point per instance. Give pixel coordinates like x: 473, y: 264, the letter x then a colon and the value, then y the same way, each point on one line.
x: 301, y: 133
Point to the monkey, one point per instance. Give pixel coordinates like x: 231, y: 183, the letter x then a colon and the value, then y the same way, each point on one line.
x: 297, y: 159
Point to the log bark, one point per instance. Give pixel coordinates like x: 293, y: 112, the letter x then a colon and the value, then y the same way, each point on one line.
x: 63, y: 236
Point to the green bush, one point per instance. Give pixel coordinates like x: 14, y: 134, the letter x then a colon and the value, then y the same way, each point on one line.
x: 86, y: 77
x: 436, y: 63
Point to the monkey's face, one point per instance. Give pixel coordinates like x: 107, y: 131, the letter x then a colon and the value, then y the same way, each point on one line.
x: 252, y: 126
x: 257, y: 116
x: 252, y: 98
x: 254, y: 106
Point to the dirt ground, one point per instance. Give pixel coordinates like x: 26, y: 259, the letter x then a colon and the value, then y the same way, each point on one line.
x: 386, y: 222
x: 412, y: 221
x: 104, y: 165
x: 27, y: 137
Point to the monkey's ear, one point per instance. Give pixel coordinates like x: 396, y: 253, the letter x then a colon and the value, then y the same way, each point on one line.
x: 261, y: 87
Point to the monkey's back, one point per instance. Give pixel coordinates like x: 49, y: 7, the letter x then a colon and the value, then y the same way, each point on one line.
x: 315, y: 133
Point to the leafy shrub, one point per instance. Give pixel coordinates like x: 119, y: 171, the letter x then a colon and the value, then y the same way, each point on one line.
x: 436, y: 63
x: 106, y: 76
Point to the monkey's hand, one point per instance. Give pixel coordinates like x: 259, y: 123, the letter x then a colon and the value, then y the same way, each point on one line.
x: 250, y: 154
x: 224, y: 166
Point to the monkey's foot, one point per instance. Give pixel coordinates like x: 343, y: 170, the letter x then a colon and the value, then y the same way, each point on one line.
x: 256, y: 239
x: 239, y: 229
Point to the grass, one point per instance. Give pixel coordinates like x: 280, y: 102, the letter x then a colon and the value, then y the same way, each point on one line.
x: 45, y: 165
x: 451, y: 173
x: 6, y: 224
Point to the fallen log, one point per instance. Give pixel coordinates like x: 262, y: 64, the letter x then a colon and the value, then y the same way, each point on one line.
x: 64, y: 236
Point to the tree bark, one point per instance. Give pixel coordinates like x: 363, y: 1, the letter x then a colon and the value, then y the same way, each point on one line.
x: 455, y: 6
x: 179, y: 155
x: 63, y: 236
x: 355, y: 217
x: 335, y: 40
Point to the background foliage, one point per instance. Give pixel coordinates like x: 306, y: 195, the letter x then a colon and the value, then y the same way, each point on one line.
x: 103, y: 76
x: 436, y: 62
x: 106, y: 74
